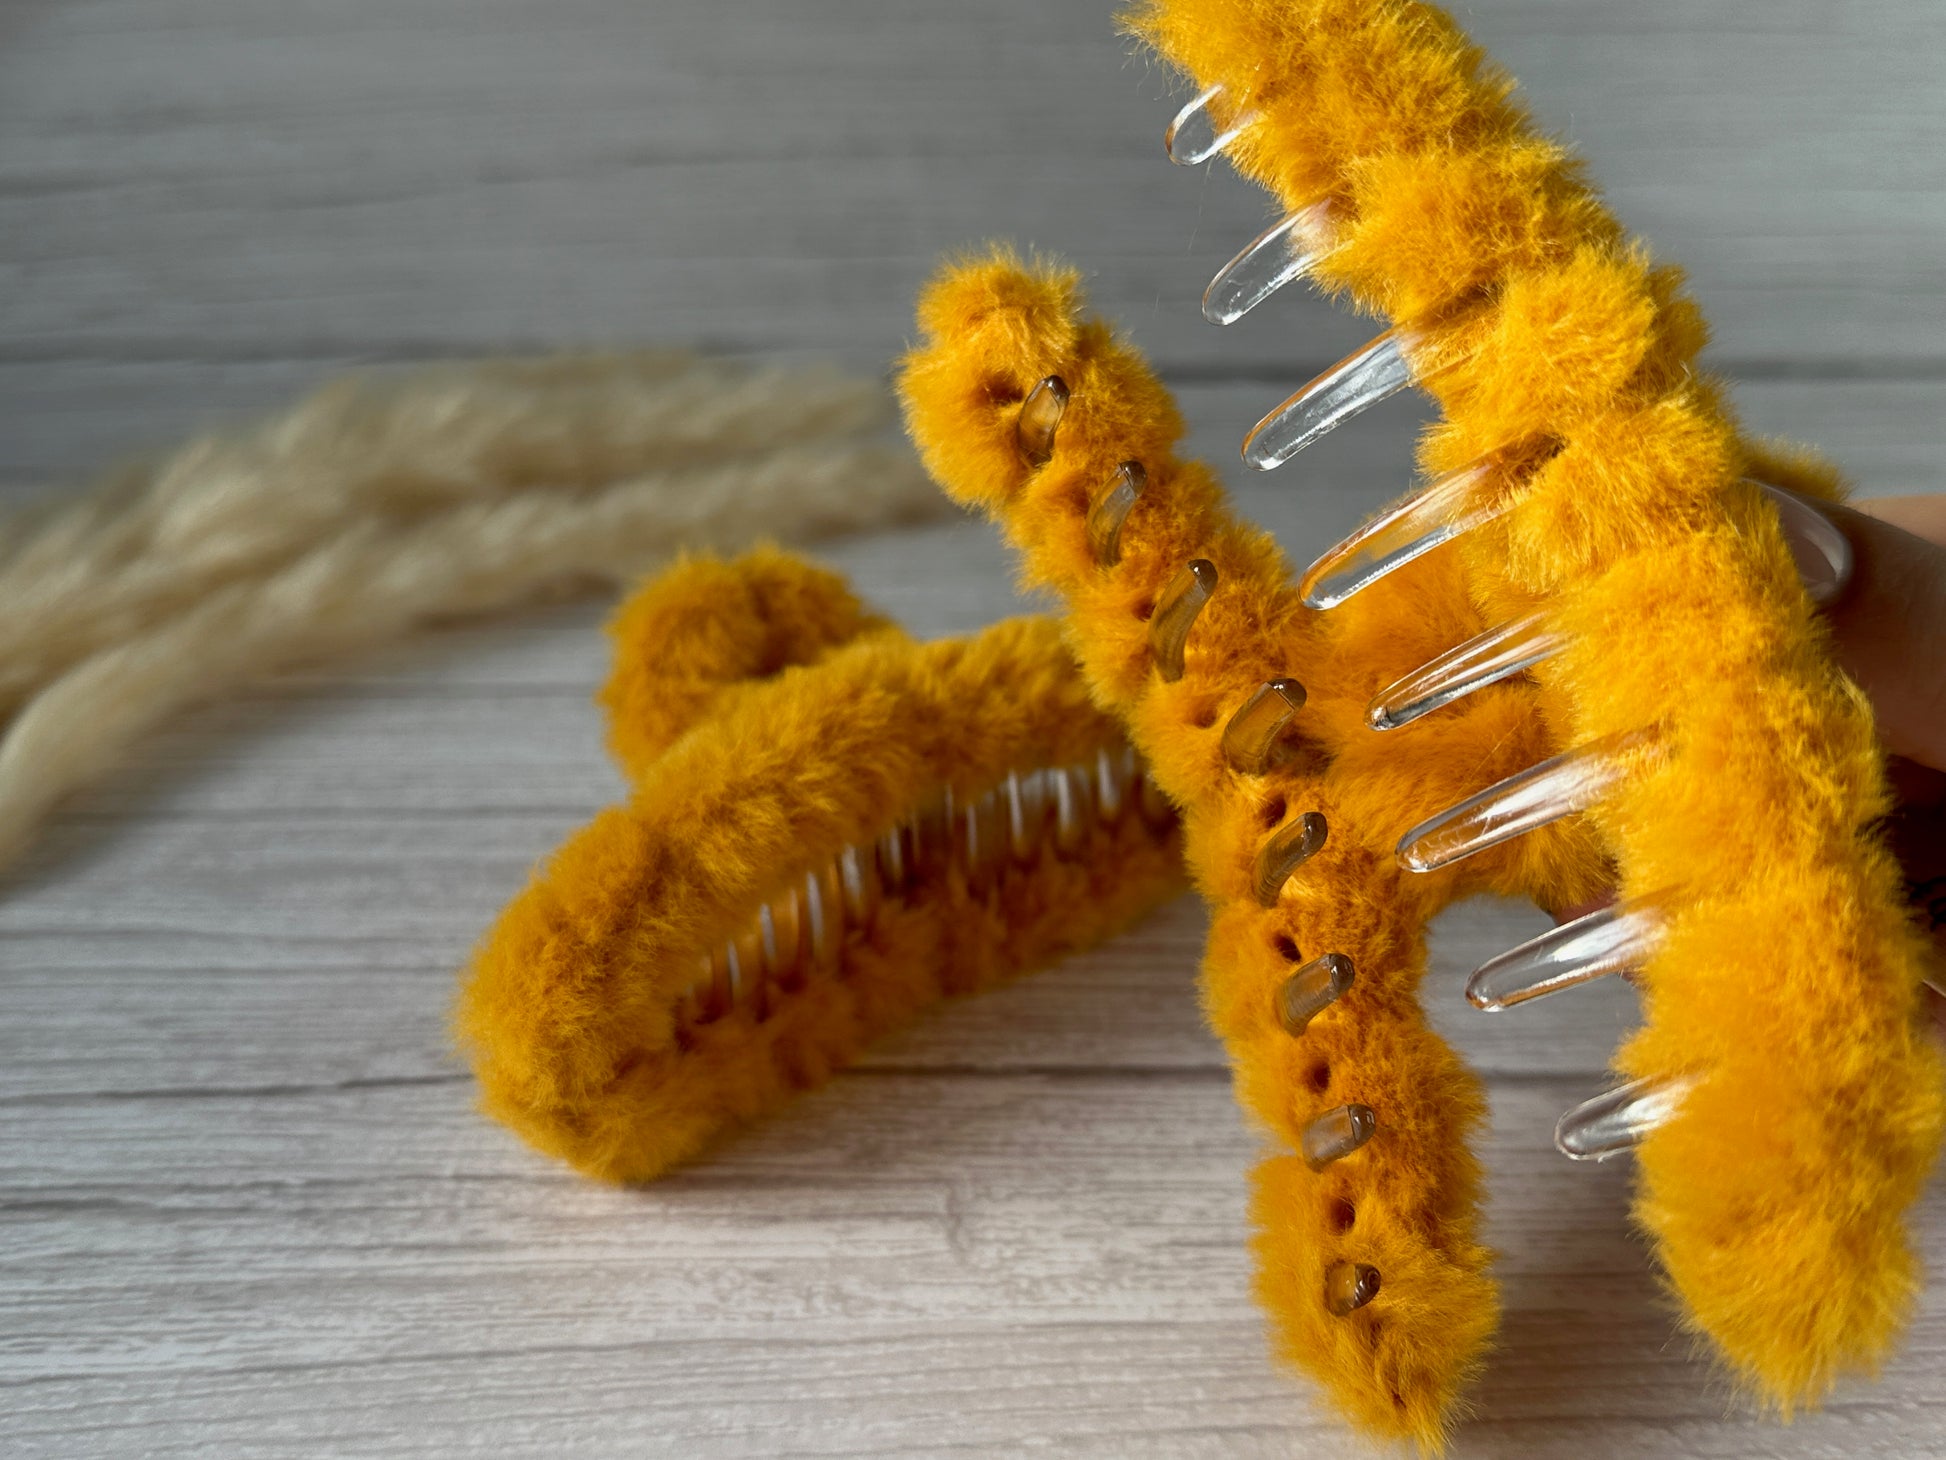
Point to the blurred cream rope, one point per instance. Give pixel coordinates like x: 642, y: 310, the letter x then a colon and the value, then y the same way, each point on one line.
x: 375, y: 506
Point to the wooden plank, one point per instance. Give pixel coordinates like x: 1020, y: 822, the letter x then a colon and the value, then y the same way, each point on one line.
x: 1046, y: 1262
x: 202, y: 179
x: 69, y: 421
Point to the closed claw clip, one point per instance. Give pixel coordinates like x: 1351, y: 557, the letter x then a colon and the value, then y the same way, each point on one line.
x: 646, y: 990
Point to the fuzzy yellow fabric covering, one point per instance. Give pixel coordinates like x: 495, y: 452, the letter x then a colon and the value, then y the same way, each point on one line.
x: 1405, y: 1203
x: 1790, y: 980
x: 768, y: 721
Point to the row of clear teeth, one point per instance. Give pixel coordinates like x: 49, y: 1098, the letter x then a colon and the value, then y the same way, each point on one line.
x: 801, y: 931
x: 1616, y: 940
x: 1254, y: 742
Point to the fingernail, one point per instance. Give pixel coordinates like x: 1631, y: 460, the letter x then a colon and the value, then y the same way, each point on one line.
x: 1821, y: 551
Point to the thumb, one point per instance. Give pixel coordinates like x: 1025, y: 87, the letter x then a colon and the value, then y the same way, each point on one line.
x: 1879, y: 571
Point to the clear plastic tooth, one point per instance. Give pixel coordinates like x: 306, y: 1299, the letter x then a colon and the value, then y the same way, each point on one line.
x: 824, y: 906
x: 1192, y: 137
x: 1074, y: 808
x: 1616, y: 939
x: 1156, y: 808
x: 736, y: 978
x: 1438, y: 513
x: 1617, y: 1120
x: 1311, y: 990
x: 771, y: 943
x: 1253, y: 738
x: 1027, y: 812
x: 1356, y: 383
x: 1337, y: 1133
x: 767, y: 935
x: 1280, y: 255
x: 1111, y: 785
x: 1106, y: 517
x: 785, y: 933
x: 895, y: 860
x: 1175, y: 614
x: 984, y: 836
x: 1289, y: 847
x: 1349, y: 1286
x: 862, y: 885
x: 1482, y: 660
x: 1533, y: 798
x: 1040, y: 417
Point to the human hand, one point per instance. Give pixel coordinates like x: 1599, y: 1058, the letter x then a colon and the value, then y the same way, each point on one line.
x: 1878, y: 569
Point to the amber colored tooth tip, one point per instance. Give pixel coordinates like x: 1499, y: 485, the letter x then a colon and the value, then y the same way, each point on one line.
x: 1349, y: 1286
x: 1337, y: 1133
x: 1175, y: 614
x: 1311, y: 990
x: 1288, y: 848
x: 1040, y: 418
x: 1254, y: 734
x: 1110, y: 512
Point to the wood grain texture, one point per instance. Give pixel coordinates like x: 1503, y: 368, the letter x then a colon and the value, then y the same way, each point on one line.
x: 245, y: 1206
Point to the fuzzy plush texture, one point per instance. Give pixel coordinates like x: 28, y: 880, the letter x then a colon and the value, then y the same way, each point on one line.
x: 378, y: 506
x: 1789, y: 983
x: 1406, y: 1201
x: 768, y: 720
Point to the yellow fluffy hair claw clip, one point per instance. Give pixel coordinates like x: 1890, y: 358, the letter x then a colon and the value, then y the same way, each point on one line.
x: 1578, y: 658
x: 831, y: 828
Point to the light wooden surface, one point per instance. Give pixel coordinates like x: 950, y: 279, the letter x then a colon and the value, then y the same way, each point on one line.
x: 245, y: 1206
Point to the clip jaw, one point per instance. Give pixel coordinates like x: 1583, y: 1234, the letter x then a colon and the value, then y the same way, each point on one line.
x: 831, y: 829
x: 1784, y: 1101
x: 1246, y: 703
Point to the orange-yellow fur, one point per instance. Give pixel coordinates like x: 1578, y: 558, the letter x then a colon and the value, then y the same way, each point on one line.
x: 767, y: 719
x: 1789, y: 983
x: 989, y: 330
